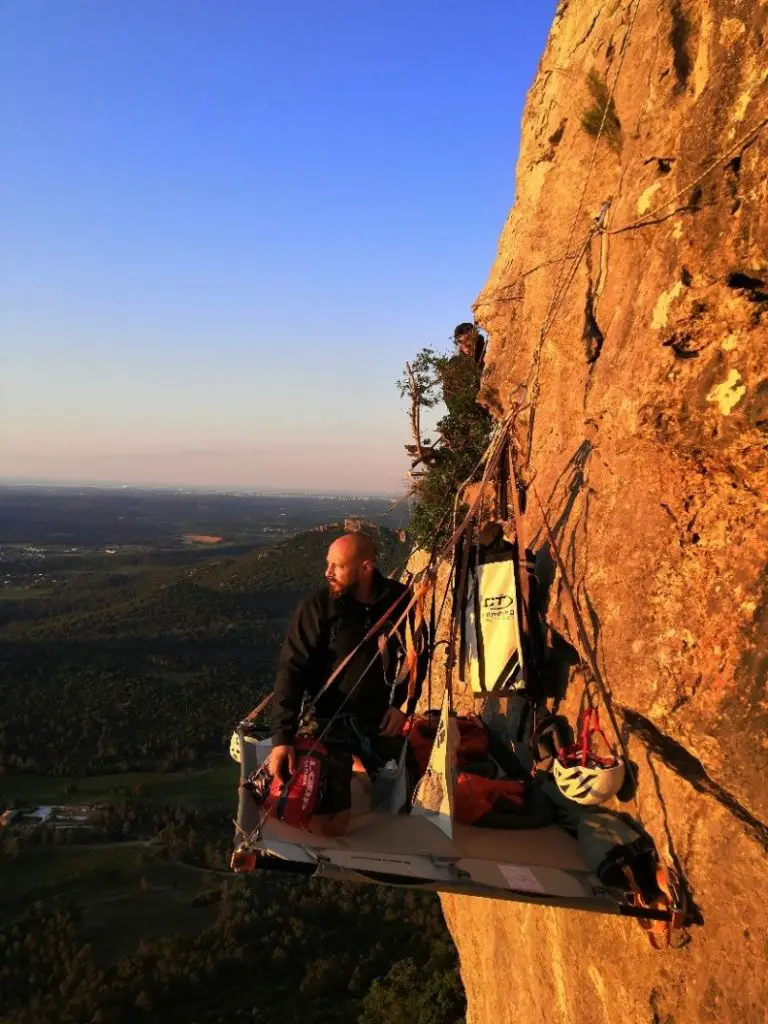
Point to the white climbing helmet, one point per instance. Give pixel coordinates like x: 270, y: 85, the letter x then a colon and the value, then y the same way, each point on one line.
x: 580, y: 774
x: 590, y: 784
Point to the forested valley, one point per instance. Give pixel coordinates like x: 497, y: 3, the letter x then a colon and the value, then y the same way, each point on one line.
x: 119, y: 691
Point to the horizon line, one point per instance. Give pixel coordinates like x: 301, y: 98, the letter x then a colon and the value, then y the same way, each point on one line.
x: 112, y: 485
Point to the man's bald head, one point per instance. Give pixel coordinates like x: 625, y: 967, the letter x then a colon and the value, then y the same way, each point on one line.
x: 355, y: 545
x: 351, y: 563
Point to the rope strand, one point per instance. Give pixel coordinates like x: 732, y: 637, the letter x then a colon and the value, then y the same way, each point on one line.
x: 561, y: 288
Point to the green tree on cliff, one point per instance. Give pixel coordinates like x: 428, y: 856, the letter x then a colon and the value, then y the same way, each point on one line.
x: 462, y: 433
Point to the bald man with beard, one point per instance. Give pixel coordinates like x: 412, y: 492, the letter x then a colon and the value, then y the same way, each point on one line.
x: 364, y: 713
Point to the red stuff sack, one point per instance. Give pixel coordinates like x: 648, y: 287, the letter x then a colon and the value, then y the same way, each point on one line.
x: 474, y: 741
x: 477, y: 800
x: 295, y: 801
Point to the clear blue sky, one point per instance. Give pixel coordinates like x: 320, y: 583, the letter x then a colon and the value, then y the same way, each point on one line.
x: 226, y: 224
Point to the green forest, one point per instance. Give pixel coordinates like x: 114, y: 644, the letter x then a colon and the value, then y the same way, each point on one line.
x: 121, y: 693
x: 269, y: 950
x: 152, y: 672
x: 159, y: 931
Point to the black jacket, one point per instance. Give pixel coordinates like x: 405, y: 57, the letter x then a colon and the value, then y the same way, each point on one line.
x: 322, y: 633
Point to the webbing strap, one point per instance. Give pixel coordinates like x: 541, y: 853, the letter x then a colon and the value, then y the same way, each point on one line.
x: 262, y: 767
x: 457, y: 618
x: 674, y: 910
x: 413, y: 633
x: 259, y: 708
x: 414, y: 640
x: 584, y: 639
x: 522, y: 567
x: 522, y: 557
x: 494, y: 454
x: 495, y: 449
x: 383, y: 646
x: 432, y: 631
x: 371, y: 633
x: 502, y: 488
x: 360, y: 678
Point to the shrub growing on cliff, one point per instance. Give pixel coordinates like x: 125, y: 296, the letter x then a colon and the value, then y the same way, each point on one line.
x: 602, y: 109
x: 462, y: 435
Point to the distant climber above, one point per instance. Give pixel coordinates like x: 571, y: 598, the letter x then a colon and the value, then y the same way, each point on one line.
x: 460, y: 374
x: 470, y: 341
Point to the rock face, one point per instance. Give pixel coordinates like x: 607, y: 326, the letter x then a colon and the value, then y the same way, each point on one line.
x: 633, y: 271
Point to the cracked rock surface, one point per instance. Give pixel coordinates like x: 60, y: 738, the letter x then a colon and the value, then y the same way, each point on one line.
x: 650, y: 436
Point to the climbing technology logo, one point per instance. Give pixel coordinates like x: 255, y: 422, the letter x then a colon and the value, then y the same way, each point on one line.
x: 492, y: 651
x: 498, y: 603
x: 310, y: 780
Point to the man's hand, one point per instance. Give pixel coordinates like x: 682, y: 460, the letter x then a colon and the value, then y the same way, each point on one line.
x: 392, y: 723
x: 282, y: 762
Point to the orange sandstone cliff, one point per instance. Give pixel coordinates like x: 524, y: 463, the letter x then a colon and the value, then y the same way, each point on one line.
x: 650, y: 442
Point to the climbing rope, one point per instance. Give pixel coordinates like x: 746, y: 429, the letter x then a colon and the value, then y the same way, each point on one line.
x: 492, y: 454
x: 608, y: 103
x: 589, y: 652
x: 647, y: 218
x: 561, y: 288
x: 535, y: 363
x: 262, y: 768
x: 560, y: 257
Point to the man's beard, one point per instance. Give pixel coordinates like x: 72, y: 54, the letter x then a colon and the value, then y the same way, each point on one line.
x: 338, y: 590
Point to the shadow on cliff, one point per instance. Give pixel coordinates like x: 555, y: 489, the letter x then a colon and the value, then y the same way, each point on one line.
x: 560, y: 656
